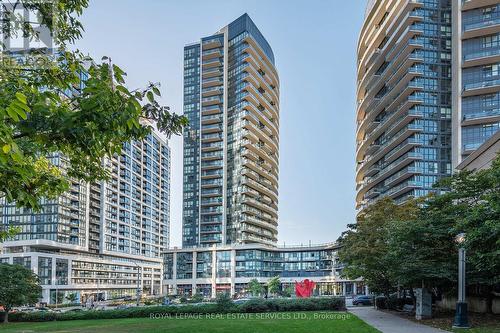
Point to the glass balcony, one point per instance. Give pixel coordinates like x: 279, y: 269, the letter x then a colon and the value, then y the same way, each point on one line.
x: 211, y: 173
x: 211, y: 155
x: 212, y: 137
x: 481, y: 84
x: 211, y: 201
x: 401, y: 188
x: 482, y: 54
x: 212, y: 100
x: 206, y: 128
x: 472, y: 146
x: 482, y: 115
x: 209, y: 164
x: 480, y: 22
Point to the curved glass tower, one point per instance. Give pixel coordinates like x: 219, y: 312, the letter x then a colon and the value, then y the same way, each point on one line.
x: 231, y: 98
x: 404, y: 99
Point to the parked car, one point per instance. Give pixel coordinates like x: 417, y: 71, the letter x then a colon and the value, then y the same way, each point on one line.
x: 43, y: 309
x: 362, y: 300
x: 241, y: 300
x: 75, y: 310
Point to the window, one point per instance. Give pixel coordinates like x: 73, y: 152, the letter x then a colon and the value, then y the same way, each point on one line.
x: 45, y: 270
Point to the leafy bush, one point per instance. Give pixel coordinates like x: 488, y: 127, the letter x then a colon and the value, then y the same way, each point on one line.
x: 381, y: 302
x: 197, y: 298
x: 65, y: 305
x: 224, y: 304
x: 393, y: 302
x: 297, y: 304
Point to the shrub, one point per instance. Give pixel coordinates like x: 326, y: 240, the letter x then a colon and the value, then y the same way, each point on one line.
x: 197, y: 298
x: 381, y: 302
x: 224, y: 304
x: 392, y: 303
x: 298, y: 304
x: 65, y: 305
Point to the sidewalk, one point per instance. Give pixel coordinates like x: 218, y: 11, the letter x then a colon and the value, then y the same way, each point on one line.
x: 389, y: 323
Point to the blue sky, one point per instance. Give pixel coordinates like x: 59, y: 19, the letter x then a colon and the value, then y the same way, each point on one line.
x: 314, y: 43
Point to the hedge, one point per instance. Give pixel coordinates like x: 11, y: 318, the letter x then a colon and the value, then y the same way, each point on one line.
x: 251, y: 306
x: 298, y: 304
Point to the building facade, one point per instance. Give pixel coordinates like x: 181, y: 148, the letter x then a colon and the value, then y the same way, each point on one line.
x: 404, y: 99
x: 210, y: 271
x: 231, y: 98
x: 483, y: 157
x: 101, y: 240
x: 476, y: 75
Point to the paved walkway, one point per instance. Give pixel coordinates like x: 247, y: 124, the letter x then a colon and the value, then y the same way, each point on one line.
x: 389, y: 323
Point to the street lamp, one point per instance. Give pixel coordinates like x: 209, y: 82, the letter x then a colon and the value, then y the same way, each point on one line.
x: 138, y: 291
x: 461, y: 320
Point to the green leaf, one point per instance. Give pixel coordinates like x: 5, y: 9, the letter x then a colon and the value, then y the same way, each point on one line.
x: 21, y: 97
x: 18, y: 157
x: 156, y: 91
x: 123, y: 90
x: 137, y: 105
x: 6, y: 148
x: 12, y: 113
x: 20, y: 108
x: 150, y: 96
x: 130, y: 123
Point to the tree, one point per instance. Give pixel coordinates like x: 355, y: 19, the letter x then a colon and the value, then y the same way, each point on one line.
x: 20, y: 286
x: 288, y: 291
x: 365, y: 248
x: 8, y: 233
x: 54, y: 109
x: 72, y: 297
x: 421, y: 252
x: 255, y: 287
x: 273, y: 285
x: 472, y: 206
x: 413, y: 245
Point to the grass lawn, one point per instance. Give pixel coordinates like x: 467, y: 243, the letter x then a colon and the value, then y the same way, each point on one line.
x: 289, y: 322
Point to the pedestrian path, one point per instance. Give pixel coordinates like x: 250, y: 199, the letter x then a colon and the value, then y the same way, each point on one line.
x: 389, y: 323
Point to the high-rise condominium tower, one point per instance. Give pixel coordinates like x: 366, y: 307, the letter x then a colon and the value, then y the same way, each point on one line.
x: 101, y: 240
x: 231, y: 97
x: 404, y: 99
x: 476, y: 75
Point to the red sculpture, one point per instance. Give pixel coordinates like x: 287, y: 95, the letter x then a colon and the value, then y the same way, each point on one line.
x: 305, y: 288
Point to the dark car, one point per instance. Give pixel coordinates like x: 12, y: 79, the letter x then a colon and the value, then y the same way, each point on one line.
x: 362, y: 300
x: 75, y: 310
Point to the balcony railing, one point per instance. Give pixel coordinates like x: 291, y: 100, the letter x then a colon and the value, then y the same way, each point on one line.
x: 482, y: 54
x: 472, y: 146
x: 480, y: 85
x: 212, y: 155
x: 479, y: 22
x: 481, y: 115
x: 407, y: 184
x: 211, y: 117
x: 212, y: 136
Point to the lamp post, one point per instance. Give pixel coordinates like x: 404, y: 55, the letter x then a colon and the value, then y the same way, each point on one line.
x: 461, y: 320
x: 138, y: 291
